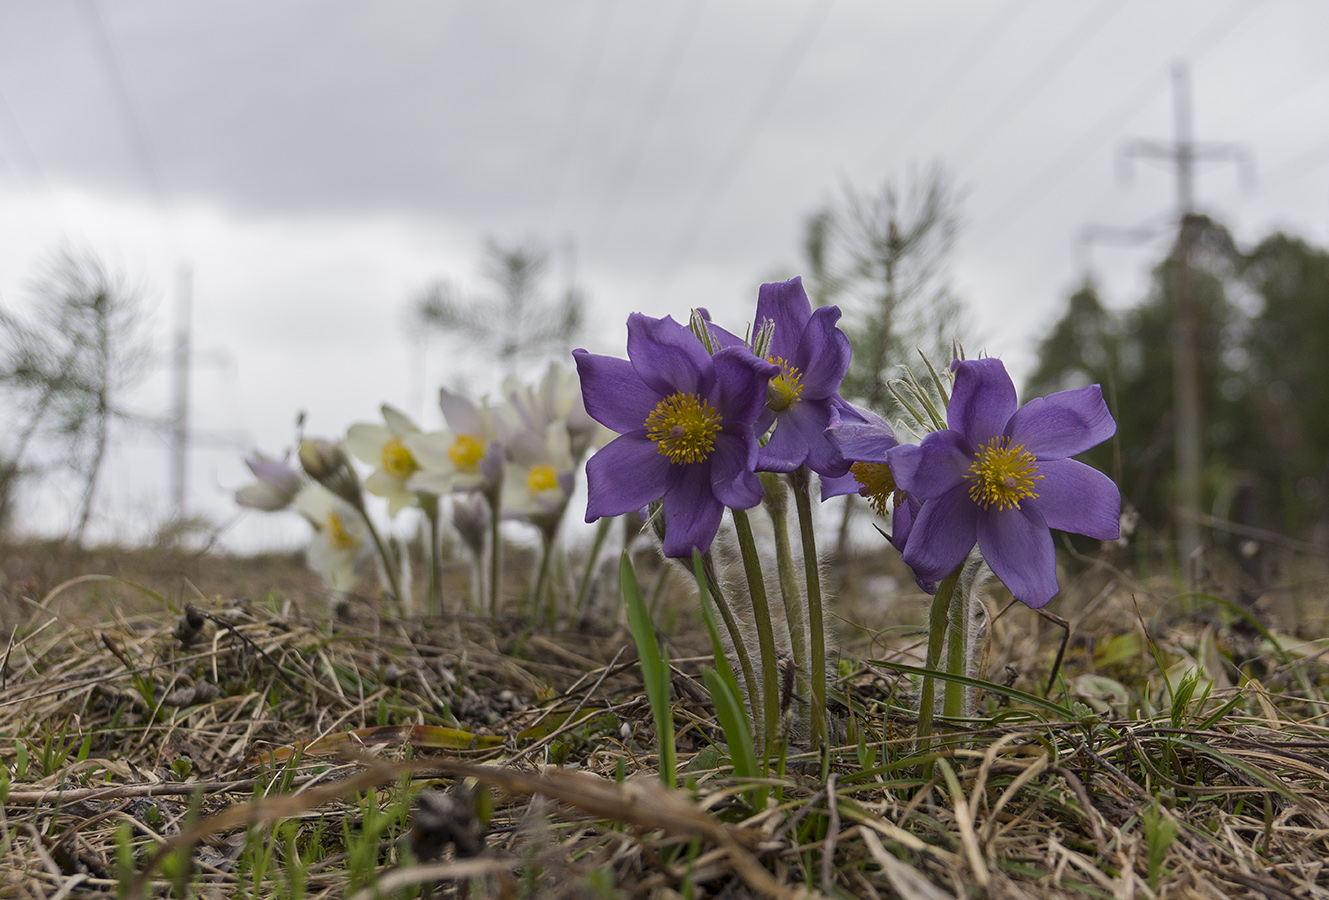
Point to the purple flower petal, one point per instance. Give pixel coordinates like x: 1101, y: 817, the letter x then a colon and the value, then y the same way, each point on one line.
x: 625, y: 475
x: 613, y: 393
x: 943, y: 534
x: 838, y: 486
x: 691, y: 512
x: 822, y: 357
x: 1078, y: 498
x: 1018, y: 546
x: 786, y: 304
x: 933, y: 467
x: 982, y: 400
x: 1063, y: 424
x: 867, y: 440
x: 801, y: 437
x: 668, y: 357
x: 733, y: 480
x: 740, y: 386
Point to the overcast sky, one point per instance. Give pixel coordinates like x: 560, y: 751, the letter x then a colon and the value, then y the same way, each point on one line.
x: 316, y: 165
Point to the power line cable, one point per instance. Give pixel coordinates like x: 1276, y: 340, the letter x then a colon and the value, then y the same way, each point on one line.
x: 574, y: 112
x: 649, y: 112
x: 124, y: 105
x: 1075, y: 155
x: 929, y: 101
x: 745, y: 138
x: 1063, y: 51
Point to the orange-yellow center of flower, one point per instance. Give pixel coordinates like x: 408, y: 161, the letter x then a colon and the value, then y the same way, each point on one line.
x: 783, y: 391
x: 683, y: 427
x: 466, y: 451
x: 397, y: 461
x: 339, y: 536
x: 876, y: 485
x: 541, y: 478
x: 1002, y: 474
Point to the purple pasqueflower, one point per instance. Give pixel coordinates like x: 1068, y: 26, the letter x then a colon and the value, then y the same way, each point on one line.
x: 866, y: 440
x: 813, y: 357
x: 1001, y: 476
x: 685, y: 422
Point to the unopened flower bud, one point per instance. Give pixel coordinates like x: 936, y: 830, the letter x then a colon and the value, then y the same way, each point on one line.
x: 326, y: 463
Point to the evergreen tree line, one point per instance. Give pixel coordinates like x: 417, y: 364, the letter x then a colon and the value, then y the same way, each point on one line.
x: 1263, y: 341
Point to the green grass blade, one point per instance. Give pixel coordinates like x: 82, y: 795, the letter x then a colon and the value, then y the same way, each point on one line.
x: 654, y: 669
x: 737, y: 731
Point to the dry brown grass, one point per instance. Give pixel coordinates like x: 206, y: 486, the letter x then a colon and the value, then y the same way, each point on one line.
x: 284, y: 758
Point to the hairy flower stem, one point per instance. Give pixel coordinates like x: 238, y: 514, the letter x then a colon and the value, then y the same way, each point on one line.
x: 434, y: 602
x: 761, y: 617
x: 495, y: 553
x: 391, y: 566
x: 731, y: 625
x: 937, y: 623
x: 538, y: 607
x: 777, y: 504
x: 800, y: 479
x: 959, y: 647
x: 588, y: 570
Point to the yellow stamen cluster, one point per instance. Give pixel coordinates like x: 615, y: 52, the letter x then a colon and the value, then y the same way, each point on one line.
x: 397, y: 461
x: 683, y: 427
x: 541, y: 478
x: 783, y: 391
x: 1002, y: 474
x: 339, y: 536
x: 466, y: 451
x: 876, y: 485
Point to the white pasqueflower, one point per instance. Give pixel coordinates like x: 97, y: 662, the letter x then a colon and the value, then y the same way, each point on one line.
x: 557, y: 398
x: 276, y: 487
x: 341, y: 540
x: 468, y: 456
x: 384, y: 448
x: 540, y: 476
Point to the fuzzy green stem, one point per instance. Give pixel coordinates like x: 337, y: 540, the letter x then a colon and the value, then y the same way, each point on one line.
x: 495, y: 553
x: 390, y: 565
x: 800, y: 479
x: 778, y: 507
x: 959, y: 650
x: 937, y: 622
x: 731, y: 625
x: 761, y: 617
x: 538, y: 607
x: 434, y: 603
x: 588, y: 571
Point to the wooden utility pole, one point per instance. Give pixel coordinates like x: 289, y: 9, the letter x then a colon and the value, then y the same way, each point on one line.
x: 180, y: 364
x: 1183, y: 152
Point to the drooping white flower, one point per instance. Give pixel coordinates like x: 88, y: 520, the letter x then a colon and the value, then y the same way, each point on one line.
x: 384, y: 447
x: 277, y: 484
x: 341, y: 544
